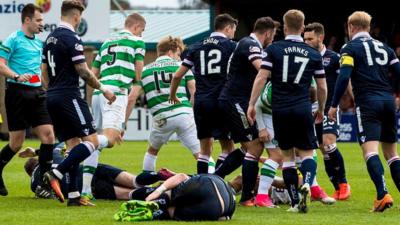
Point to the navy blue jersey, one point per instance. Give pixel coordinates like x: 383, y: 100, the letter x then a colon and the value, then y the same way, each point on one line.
x: 62, y: 50
x: 241, y: 72
x: 330, y: 61
x: 209, y: 59
x: 293, y: 64
x: 371, y: 61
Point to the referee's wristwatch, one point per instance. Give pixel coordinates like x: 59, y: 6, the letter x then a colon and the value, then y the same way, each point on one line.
x: 16, y: 77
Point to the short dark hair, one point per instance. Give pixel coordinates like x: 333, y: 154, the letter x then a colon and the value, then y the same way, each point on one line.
x: 318, y: 28
x: 223, y: 20
x: 263, y: 24
x: 30, y: 165
x: 29, y: 11
x: 69, y: 5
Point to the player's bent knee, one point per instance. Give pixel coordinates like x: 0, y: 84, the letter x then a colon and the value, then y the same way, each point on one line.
x: 92, y: 139
x: 330, y: 148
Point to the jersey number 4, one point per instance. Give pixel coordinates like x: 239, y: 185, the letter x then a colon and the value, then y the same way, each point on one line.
x: 52, y: 64
x: 213, y: 58
x: 297, y: 59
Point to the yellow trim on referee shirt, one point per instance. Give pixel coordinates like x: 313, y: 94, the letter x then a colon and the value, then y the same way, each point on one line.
x: 346, y: 60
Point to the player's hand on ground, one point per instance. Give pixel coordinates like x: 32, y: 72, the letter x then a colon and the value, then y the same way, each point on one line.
x: 110, y: 96
x: 24, y: 78
x: 332, y: 113
x: 173, y: 99
x: 264, y: 135
x: 251, y: 114
x: 319, y: 116
x: 28, y: 152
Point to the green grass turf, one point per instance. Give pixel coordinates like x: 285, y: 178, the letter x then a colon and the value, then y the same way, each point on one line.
x: 20, y: 206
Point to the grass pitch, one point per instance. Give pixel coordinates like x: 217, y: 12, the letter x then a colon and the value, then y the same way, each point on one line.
x: 20, y: 206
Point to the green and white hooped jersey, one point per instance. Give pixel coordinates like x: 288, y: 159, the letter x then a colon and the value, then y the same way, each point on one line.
x: 156, y: 82
x: 116, y: 61
x: 266, y: 99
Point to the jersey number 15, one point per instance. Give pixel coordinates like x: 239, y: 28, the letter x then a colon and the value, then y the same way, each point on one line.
x: 378, y: 46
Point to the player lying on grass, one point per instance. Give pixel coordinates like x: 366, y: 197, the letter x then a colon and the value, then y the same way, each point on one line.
x: 200, y: 197
x: 108, y: 182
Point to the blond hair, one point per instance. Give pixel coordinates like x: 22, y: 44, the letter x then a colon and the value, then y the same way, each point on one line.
x: 294, y: 19
x: 133, y: 19
x: 360, y: 19
x: 169, y: 43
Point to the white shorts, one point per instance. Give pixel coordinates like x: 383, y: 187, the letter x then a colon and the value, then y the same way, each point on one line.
x: 109, y: 116
x: 267, y: 118
x: 183, y: 125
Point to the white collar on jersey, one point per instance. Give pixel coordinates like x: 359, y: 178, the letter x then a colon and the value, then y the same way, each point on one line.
x: 323, y: 50
x: 361, y: 34
x: 294, y: 37
x: 163, y: 57
x: 218, y: 34
x: 66, y: 26
x: 127, y: 31
x: 253, y: 35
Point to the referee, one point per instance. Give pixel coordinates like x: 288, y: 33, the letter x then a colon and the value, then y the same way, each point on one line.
x: 25, y: 99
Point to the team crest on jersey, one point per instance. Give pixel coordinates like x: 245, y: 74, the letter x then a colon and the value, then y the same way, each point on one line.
x: 254, y: 49
x: 79, y: 47
x: 326, y: 61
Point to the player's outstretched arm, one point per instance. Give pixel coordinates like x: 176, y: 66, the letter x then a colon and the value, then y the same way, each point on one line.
x: 168, y: 185
x: 340, y: 87
x: 96, y: 72
x: 191, y: 85
x: 322, y: 92
x: 132, y: 98
x: 138, y: 69
x: 86, y: 74
x: 258, y: 85
x: 176, y: 79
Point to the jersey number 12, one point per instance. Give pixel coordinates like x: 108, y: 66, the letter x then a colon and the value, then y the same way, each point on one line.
x: 214, y: 57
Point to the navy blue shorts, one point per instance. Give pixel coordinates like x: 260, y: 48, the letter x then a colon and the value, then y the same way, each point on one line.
x: 208, y: 118
x: 294, y: 128
x: 328, y: 126
x: 377, y: 122
x: 318, y: 131
x: 71, y: 116
x: 199, y: 199
x: 235, y: 120
x: 104, y: 180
